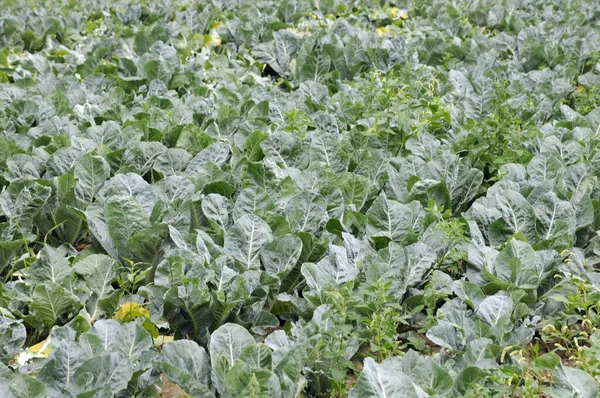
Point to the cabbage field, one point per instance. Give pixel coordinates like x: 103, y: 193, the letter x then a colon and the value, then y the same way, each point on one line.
x: 299, y: 198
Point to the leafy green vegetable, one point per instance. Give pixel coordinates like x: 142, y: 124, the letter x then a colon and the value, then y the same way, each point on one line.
x: 310, y: 198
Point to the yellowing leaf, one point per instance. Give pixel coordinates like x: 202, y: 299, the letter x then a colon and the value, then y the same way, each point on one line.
x: 381, y: 31
x: 38, y: 347
x: 39, y: 350
x: 392, y: 12
x: 212, y: 39
x: 23, y: 357
x: 404, y: 15
x: 162, y: 340
x: 129, y: 311
x: 216, y: 25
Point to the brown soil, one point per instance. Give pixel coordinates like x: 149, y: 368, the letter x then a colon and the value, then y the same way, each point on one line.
x: 268, y: 331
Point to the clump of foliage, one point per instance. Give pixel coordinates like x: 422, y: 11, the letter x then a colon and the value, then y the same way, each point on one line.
x: 309, y: 198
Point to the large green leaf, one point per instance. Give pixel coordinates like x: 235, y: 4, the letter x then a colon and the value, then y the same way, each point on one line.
x: 496, y: 311
x: 22, y: 209
x: 172, y: 162
x: 173, y: 188
x: 315, y: 66
x: 216, y: 153
x: 280, y: 53
x: 229, y: 341
x: 306, y: 212
x: 59, y: 373
x: 146, y: 245
x: 98, y: 228
x: 193, y: 312
x: 133, y: 341
x: 257, y: 356
x: 518, y: 214
x: 244, y: 381
x: 469, y: 379
x: 285, y: 149
x: 111, y: 372
x: 186, y: 364
x: 280, y: 256
x: 217, y: 209
x: 91, y: 173
x: 8, y: 249
x: 129, y: 185
x: 425, y: 373
x: 554, y: 216
x: 543, y: 167
x: 570, y: 382
x: 381, y: 381
x: 431, y: 190
x: 12, y: 335
x: 52, y: 304
x: 337, y: 265
x: 518, y: 263
x: 389, y: 218
x: 124, y: 217
x: 51, y: 265
x: 226, y: 345
x: 245, y: 239
x: 356, y: 189
x: 419, y: 260
x: 23, y: 386
x: 252, y: 201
